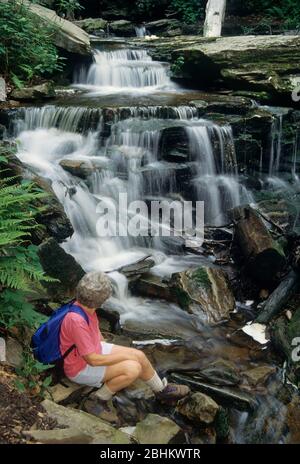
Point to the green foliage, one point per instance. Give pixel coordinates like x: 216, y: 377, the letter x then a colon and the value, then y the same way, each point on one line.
x: 288, y: 11
x: 68, y: 7
x: 31, y: 375
x: 178, y: 64
x: 190, y: 11
x: 146, y: 7
x: 26, y: 48
x: 200, y: 276
x: 19, y: 262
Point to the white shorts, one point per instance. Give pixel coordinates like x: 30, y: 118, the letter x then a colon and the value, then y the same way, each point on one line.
x: 93, y: 376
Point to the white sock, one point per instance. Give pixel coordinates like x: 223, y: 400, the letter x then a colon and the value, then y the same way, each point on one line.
x: 104, y: 393
x: 156, y: 383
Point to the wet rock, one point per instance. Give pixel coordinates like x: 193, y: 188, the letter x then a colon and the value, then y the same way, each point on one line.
x: 14, y: 352
x: 135, y: 270
x: 101, y: 432
x: 198, y: 407
x: 171, y: 355
x: 62, y: 266
x: 157, y: 430
x: 2, y: 90
x: 92, y: 25
x: 224, y: 104
x: 79, y: 168
x: 226, y: 396
x: 259, y: 375
x: 54, y: 218
x: 109, y: 320
x: 36, y: 92
x: 220, y: 372
x: 122, y: 28
x: 206, y: 436
x: 204, y: 291
x: 69, y: 436
x: 285, y: 338
x: 152, y: 286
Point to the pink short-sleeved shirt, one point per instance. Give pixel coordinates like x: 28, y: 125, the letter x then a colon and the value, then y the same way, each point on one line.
x: 86, y: 337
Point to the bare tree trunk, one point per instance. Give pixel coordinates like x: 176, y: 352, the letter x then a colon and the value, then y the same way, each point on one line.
x: 215, y: 14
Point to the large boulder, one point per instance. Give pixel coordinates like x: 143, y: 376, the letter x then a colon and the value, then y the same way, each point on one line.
x: 67, y: 35
x: 259, y: 63
x: 59, y: 265
x: 92, y: 25
x: 204, y: 291
x: 79, y: 168
x: 122, y: 28
x: 99, y: 431
x: 164, y: 27
x: 36, y: 92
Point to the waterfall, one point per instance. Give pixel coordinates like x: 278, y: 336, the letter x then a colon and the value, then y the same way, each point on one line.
x: 141, y: 31
x: 276, y: 145
x: 217, y: 181
x: 122, y: 70
x: 123, y: 146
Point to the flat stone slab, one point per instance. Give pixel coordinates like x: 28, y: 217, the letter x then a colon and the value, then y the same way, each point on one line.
x: 102, y: 432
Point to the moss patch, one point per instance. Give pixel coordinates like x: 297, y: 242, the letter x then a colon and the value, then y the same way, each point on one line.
x: 201, y: 278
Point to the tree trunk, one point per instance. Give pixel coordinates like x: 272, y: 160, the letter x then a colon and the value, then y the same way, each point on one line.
x: 275, y: 303
x: 263, y: 257
x: 215, y: 14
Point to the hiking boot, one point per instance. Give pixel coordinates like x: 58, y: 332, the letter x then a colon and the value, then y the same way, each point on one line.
x: 173, y: 392
x: 105, y: 410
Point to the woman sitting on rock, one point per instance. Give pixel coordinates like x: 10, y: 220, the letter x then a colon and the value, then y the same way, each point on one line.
x: 94, y: 362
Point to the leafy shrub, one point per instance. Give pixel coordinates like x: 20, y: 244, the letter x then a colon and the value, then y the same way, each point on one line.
x: 288, y: 11
x: 19, y: 262
x: 190, y: 11
x: 32, y: 375
x: 26, y: 48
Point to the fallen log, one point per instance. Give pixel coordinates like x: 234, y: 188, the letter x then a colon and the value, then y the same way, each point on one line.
x: 263, y: 257
x: 276, y: 301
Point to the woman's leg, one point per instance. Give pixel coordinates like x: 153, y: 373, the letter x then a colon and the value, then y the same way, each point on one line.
x: 147, y: 370
x: 122, y: 375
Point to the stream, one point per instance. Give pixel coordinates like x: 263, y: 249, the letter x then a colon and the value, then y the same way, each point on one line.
x: 114, y: 123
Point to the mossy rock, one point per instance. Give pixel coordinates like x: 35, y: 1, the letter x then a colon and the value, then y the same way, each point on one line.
x: 204, y: 291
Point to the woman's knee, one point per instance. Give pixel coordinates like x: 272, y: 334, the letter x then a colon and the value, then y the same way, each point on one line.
x: 132, y: 369
x: 141, y: 357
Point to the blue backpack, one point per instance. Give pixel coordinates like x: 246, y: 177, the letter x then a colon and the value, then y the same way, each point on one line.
x: 45, y: 342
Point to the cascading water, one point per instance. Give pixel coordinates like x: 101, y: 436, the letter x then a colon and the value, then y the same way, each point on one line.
x: 128, y: 161
x: 217, y: 181
x: 141, y: 31
x: 124, y: 70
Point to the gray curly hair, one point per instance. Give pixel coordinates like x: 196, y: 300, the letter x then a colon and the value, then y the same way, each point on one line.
x: 93, y: 289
